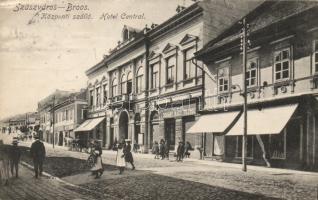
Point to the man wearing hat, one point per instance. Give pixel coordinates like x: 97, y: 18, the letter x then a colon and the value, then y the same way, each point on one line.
x: 14, y: 156
x: 128, y: 155
x: 38, y: 154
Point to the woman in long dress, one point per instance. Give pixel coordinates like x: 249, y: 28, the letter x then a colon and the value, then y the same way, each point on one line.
x: 120, y: 157
x: 97, y: 169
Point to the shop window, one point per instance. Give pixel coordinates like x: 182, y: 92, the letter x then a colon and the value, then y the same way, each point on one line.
x: 282, y: 65
x: 316, y: 56
x: 223, y: 79
x: 139, y: 80
x: 278, y: 145
x: 154, y: 76
x: 170, y: 70
x: 250, y: 146
x: 189, y: 69
x: 251, y: 73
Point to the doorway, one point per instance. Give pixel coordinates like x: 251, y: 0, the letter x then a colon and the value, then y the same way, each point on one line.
x: 170, y: 132
x: 123, y: 126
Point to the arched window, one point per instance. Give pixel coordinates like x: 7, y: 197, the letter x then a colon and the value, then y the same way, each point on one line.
x: 129, y: 83
x: 114, y: 87
x: 123, y: 84
x: 139, y: 80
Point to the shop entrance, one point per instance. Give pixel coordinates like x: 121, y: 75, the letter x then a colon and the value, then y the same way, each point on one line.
x: 123, y: 126
x: 170, y: 132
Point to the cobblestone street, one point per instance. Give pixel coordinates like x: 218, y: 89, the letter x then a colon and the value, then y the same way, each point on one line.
x: 27, y: 187
x: 191, y: 179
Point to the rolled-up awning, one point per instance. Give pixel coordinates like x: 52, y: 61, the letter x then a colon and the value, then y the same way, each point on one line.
x: 89, y: 124
x: 270, y: 120
x: 214, y: 123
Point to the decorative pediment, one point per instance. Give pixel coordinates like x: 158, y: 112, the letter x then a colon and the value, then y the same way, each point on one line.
x: 169, y: 47
x: 153, y: 55
x: 187, y: 39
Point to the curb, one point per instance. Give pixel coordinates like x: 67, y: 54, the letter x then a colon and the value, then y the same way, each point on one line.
x: 66, y: 183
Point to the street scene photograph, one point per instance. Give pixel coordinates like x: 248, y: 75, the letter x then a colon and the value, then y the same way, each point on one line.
x: 158, y: 99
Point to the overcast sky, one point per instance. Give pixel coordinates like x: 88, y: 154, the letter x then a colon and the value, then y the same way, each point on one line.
x: 38, y: 55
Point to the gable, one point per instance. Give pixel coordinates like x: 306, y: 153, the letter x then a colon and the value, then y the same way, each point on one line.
x: 187, y: 39
x: 169, y: 47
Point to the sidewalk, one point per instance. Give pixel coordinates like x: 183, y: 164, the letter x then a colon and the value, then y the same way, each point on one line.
x: 27, y: 187
x: 211, y: 163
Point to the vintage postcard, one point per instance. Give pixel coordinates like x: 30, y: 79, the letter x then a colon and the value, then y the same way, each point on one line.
x: 169, y: 99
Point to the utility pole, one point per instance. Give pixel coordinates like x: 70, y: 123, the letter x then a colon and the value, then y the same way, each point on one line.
x: 53, y: 120
x: 244, y: 44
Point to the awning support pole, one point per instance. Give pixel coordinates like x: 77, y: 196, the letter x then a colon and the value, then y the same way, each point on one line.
x: 261, y: 144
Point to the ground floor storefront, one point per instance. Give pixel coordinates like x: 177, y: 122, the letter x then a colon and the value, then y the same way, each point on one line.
x: 279, y: 134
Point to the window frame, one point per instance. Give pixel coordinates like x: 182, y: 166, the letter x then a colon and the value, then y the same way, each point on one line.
x: 249, y: 71
x: 139, y: 80
x: 281, y: 72
x: 114, y: 87
x: 98, y: 96
x: 315, y: 56
x: 223, y: 78
x: 188, y: 60
x: 123, y: 82
x: 91, y: 97
x: 104, y: 94
x: 154, y: 76
x: 170, y: 80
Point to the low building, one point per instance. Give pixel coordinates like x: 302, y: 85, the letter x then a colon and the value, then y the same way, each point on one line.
x: 68, y: 115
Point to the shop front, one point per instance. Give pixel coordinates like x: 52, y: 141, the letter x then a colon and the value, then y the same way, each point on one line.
x: 91, y: 129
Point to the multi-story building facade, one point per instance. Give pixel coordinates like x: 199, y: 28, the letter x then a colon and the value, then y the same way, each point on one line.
x: 149, y: 87
x: 68, y: 115
x: 46, y: 115
x: 281, y: 81
x: 97, y: 97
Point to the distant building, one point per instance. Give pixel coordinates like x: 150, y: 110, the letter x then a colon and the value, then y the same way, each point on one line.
x: 67, y: 116
x: 45, y: 110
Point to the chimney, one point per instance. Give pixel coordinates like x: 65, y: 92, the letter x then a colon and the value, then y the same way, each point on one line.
x: 180, y: 8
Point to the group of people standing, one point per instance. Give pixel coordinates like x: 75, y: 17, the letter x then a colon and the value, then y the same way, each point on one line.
x: 10, y: 159
x: 162, y: 150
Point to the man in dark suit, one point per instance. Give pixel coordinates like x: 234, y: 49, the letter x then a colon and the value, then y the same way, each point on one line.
x: 38, y: 154
x: 14, y: 156
x: 128, y: 155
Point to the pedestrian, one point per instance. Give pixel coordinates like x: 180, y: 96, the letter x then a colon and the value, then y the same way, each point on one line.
x: 128, y: 155
x: 97, y: 169
x: 4, y: 166
x: 120, y: 157
x: 180, y: 151
x: 167, y: 149
x: 162, y: 149
x: 155, y: 150
x: 187, y: 147
x: 37, y: 152
x: 136, y: 147
x: 14, y: 156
